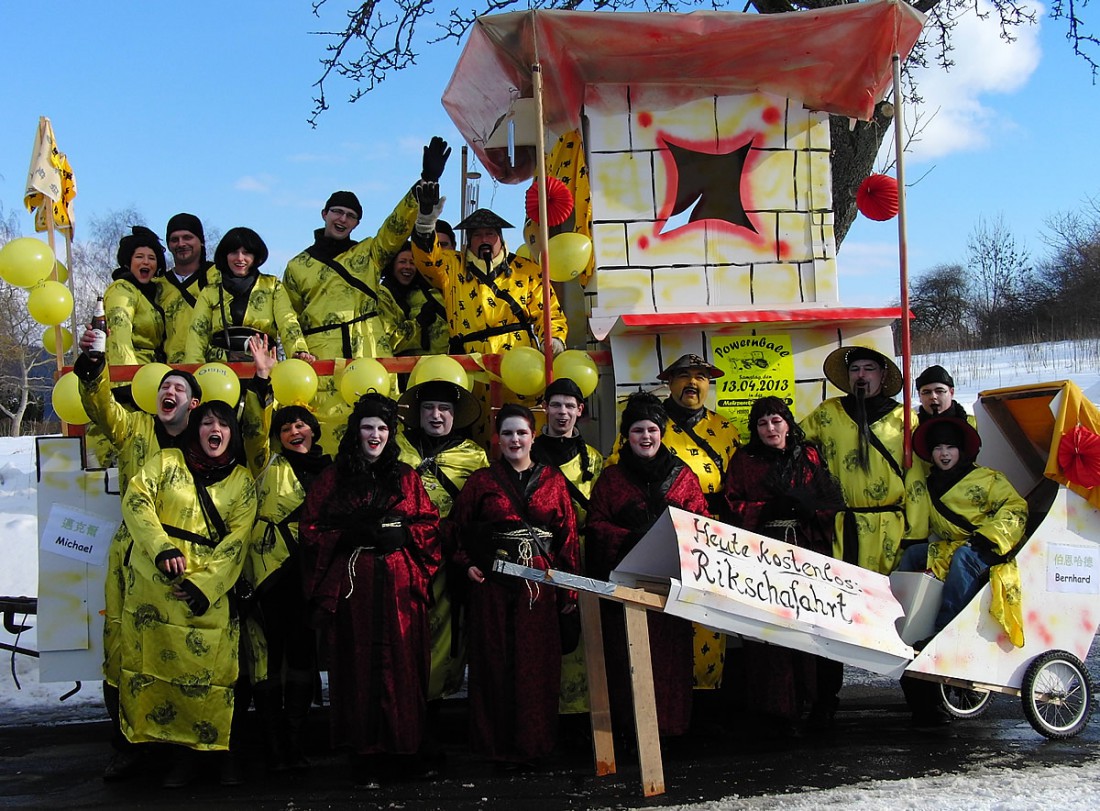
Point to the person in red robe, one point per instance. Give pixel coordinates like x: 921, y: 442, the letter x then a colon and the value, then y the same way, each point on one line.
x: 626, y: 501
x: 778, y: 486
x: 369, y: 550
x: 520, y: 511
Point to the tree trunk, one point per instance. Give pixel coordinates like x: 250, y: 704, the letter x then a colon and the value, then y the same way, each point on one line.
x: 854, y: 151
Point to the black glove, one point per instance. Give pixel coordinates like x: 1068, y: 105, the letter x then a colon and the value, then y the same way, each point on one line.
x: 803, y: 504
x: 435, y: 159
x: 779, y: 508
x: 983, y: 546
x: 389, y: 536
x: 426, y: 317
x: 427, y: 195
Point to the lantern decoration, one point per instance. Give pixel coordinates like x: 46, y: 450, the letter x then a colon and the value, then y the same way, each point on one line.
x: 559, y: 202
x: 1079, y: 456
x: 877, y: 198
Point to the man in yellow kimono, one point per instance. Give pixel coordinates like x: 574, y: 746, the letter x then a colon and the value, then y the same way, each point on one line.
x: 433, y: 442
x: 494, y: 299
x: 560, y: 444
x: 137, y: 437
x: 180, y: 286
x: 334, y: 286
x: 861, y: 436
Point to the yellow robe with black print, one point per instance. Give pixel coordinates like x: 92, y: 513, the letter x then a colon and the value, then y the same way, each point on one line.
x: 880, y: 532
x: 438, y: 338
x: 448, y: 661
x: 724, y: 438
x: 472, y: 305
x: 134, y: 435
x: 136, y: 327
x: 341, y: 321
x: 986, y: 499
x: 574, y: 672
x: 268, y: 311
x: 178, y: 669
x: 177, y: 299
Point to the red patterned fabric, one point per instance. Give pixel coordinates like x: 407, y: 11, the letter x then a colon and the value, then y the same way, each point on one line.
x: 1079, y: 456
x: 374, y: 607
x: 515, y: 642
x: 779, y: 680
x: 620, y: 512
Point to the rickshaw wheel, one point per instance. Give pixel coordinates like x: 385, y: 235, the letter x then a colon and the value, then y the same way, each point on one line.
x: 962, y: 702
x: 1057, y: 695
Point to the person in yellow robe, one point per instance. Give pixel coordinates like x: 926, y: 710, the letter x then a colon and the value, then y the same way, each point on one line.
x: 976, y: 518
x: 335, y: 287
x: 493, y: 298
x: 246, y: 302
x: 190, y: 274
x: 190, y: 513
x: 433, y: 442
x: 560, y: 444
x: 138, y: 437
x: 861, y: 437
x: 421, y: 303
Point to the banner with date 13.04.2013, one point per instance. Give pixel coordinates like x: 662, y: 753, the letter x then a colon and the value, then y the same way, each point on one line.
x: 755, y: 366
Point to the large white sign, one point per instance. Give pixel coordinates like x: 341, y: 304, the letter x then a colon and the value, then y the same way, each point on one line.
x: 734, y: 580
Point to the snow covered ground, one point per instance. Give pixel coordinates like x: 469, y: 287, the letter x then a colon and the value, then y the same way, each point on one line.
x: 994, y: 789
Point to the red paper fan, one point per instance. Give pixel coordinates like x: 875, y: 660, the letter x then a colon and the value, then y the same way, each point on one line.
x: 1079, y: 456
x: 559, y: 202
x: 877, y: 198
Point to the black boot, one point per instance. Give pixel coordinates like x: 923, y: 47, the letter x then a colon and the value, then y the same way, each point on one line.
x: 178, y: 768
x: 298, y: 697
x: 267, y: 696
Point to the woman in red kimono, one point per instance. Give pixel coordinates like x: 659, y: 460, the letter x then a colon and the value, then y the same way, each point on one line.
x: 627, y: 499
x: 778, y: 486
x: 517, y: 510
x: 369, y: 550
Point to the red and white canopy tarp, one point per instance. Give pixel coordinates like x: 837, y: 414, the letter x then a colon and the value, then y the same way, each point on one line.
x: 836, y: 60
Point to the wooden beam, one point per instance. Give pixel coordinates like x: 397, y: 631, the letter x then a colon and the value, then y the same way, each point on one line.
x: 599, y: 705
x: 645, y: 702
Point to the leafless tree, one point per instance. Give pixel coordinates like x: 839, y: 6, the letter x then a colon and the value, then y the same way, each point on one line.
x: 24, y: 362
x: 1001, y: 281
x: 370, y: 41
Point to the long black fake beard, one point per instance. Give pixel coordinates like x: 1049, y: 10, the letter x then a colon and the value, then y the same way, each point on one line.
x: 863, y: 446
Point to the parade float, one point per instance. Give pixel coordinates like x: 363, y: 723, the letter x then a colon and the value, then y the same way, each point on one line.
x: 696, y: 150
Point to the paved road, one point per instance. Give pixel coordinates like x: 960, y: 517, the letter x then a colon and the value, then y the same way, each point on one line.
x: 58, y: 766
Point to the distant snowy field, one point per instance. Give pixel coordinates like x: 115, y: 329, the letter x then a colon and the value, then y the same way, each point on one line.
x: 997, y: 790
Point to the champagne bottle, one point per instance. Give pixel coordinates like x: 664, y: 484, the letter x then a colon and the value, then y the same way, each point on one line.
x: 99, y: 327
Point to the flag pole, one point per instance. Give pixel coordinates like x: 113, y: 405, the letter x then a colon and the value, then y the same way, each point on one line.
x: 903, y: 265
x: 544, y: 227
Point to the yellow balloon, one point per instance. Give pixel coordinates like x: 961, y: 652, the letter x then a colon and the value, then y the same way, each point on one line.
x: 524, y: 250
x: 218, y: 382
x: 294, y: 382
x: 523, y: 370
x: 66, y: 400
x: 62, y: 272
x: 570, y: 254
x: 146, y: 384
x: 361, y: 376
x: 26, y: 261
x: 50, y: 302
x: 50, y: 344
x: 439, y: 367
x: 579, y: 367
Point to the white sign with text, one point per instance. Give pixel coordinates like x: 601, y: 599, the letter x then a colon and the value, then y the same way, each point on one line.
x: 78, y: 535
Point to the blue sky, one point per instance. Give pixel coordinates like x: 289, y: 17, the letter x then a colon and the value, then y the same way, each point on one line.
x: 202, y: 107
